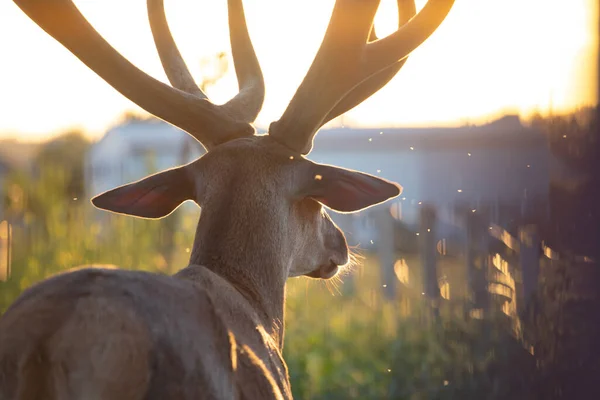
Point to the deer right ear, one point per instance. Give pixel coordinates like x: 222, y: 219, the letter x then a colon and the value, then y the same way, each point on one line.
x: 345, y: 190
x: 155, y: 196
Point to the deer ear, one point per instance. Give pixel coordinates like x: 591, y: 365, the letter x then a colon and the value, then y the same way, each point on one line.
x: 155, y: 196
x: 345, y: 190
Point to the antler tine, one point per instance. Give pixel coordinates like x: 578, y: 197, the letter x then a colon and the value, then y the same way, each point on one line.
x: 170, y: 57
x: 406, y: 10
x: 248, y: 102
x: 332, y: 74
x: 207, y: 122
x: 402, y: 42
x: 246, y: 105
x: 346, y: 60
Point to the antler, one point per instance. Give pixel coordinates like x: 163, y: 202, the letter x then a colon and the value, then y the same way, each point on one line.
x: 246, y: 105
x: 184, y: 106
x: 406, y: 10
x: 347, y: 68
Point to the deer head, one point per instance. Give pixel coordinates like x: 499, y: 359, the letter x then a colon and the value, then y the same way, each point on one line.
x: 262, y: 200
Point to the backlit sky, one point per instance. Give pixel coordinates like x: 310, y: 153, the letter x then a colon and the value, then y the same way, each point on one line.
x: 489, y: 57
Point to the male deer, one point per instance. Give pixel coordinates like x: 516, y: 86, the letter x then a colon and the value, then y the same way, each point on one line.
x: 214, y: 330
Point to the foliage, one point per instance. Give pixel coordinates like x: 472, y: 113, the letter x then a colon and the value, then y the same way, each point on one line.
x: 53, y: 233
x: 65, y: 154
x: 574, y: 140
x: 364, y: 347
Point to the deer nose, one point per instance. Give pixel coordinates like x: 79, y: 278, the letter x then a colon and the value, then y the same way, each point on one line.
x: 328, y: 271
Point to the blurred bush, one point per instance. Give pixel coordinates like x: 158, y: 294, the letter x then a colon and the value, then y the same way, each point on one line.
x: 54, y: 228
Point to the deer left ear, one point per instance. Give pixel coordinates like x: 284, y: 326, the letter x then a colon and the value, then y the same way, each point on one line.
x: 345, y: 190
x: 155, y: 196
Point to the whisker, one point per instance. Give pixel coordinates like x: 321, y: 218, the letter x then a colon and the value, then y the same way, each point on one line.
x: 336, y: 281
x: 329, y: 288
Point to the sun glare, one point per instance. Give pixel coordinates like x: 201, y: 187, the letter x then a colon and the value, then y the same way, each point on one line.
x: 489, y: 57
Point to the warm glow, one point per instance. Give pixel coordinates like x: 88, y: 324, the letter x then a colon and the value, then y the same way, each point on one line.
x: 396, y: 211
x: 445, y: 289
x: 488, y: 57
x: 401, y: 271
x: 5, y: 247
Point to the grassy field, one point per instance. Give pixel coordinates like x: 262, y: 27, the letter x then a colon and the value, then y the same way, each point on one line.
x: 344, y: 339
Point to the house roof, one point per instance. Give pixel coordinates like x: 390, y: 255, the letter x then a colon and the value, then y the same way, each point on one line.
x: 502, y: 133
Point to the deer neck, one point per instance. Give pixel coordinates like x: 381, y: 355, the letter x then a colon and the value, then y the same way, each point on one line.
x: 253, y: 263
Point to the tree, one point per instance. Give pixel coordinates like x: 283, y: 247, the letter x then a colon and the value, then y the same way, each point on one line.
x: 65, y: 153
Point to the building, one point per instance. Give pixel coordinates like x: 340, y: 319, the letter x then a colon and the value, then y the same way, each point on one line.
x: 499, y: 167
x: 134, y: 149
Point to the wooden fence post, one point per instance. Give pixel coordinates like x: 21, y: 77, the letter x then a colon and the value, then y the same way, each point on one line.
x: 475, y: 259
x: 529, y: 259
x: 5, y: 249
x: 427, y: 245
x: 385, y: 251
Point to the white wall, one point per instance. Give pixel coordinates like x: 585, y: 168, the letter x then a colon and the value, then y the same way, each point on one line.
x: 134, y: 150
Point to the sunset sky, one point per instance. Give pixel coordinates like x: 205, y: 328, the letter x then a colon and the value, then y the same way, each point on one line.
x: 489, y: 57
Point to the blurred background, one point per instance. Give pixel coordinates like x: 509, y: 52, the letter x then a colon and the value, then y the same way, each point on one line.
x: 481, y: 282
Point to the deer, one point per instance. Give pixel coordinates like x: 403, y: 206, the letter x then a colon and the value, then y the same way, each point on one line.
x: 214, y: 329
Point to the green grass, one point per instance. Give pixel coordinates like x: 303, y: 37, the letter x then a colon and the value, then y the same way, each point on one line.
x: 343, y: 340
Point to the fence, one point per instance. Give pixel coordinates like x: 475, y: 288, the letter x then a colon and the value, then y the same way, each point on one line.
x: 5, y: 250
x: 480, y: 267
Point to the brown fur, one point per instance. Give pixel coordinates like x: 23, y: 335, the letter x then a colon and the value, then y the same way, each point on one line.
x: 100, y: 334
